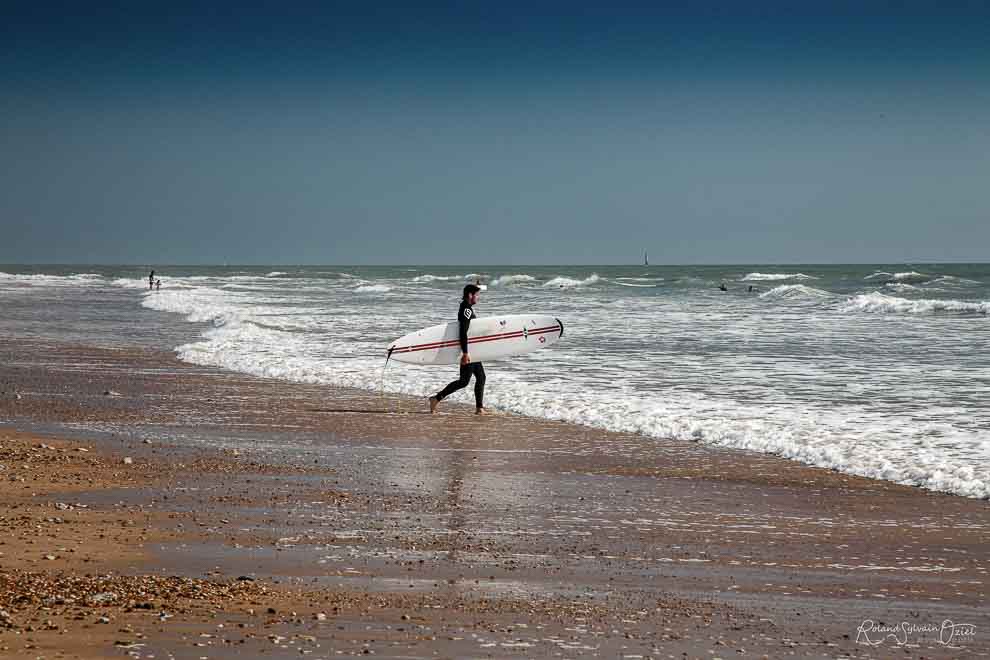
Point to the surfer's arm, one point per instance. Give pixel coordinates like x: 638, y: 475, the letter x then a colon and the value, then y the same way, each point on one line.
x: 463, y: 323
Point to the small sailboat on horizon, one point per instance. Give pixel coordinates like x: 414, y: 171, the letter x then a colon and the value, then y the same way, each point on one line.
x: 646, y: 258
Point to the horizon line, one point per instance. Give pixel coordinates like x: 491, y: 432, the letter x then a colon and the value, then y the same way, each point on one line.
x: 539, y: 265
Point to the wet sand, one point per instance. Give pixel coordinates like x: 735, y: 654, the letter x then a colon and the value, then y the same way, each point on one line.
x: 360, y: 525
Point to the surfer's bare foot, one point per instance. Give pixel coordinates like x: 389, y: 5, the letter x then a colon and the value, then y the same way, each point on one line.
x: 434, y: 402
x: 481, y: 411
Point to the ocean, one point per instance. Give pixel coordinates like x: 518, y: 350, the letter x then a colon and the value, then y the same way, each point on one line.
x: 875, y: 370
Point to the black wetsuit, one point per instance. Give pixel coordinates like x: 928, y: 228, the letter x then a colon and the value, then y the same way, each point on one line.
x: 464, y: 316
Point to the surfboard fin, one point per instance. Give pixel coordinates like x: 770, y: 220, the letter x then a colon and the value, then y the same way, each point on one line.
x: 561, y: 324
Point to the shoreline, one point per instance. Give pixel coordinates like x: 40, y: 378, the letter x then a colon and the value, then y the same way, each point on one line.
x: 611, y: 543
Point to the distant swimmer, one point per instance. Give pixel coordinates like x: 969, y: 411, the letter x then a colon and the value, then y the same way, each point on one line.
x: 751, y: 289
x: 468, y: 368
x: 158, y: 285
x: 722, y: 287
x: 151, y: 280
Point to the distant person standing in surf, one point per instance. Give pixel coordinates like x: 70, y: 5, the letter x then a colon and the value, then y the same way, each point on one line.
x: 151, y: 280
x: 468, y: 368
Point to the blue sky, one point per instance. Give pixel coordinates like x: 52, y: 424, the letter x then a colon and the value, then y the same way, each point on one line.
x: 495, y: 133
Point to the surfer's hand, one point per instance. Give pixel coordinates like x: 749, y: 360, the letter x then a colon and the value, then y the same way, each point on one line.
x: 465, y: 359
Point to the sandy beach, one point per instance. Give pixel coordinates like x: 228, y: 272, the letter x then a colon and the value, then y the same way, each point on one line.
x: 152, y: 508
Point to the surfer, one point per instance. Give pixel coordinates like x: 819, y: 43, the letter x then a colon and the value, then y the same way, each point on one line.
x: 151, y: 280
x: 468, y: 368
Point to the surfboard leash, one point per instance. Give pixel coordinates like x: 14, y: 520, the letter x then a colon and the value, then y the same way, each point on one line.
x: 388, y: 356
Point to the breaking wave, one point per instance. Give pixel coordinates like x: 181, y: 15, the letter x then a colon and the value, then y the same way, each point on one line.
x: 881, y: 303
x: 764, y: 277
x: 436, y: 278
x: 796, y: 292
x: 507, y: 280
x: 910, y: 277
x: 953, y: 280
x: 570, y: 283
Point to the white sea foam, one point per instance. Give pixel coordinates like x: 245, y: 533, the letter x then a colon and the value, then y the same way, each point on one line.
x: 129, y: 283
x: 506, y: 280
x: 763, y: 277
x: 199, y: 305
x: 435, y: 278
x: 37, y: 279
x: 878, y: 302
x: 570, y: 283
x: 818, y: 437
x: 223, y: 308
x: 373, y: 288
x: 901, y: 286
x: 796, y: 292
x: 276, y: 273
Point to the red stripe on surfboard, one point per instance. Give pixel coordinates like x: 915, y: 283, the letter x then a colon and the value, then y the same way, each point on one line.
x: 454, y: 344
x: 475, y: 340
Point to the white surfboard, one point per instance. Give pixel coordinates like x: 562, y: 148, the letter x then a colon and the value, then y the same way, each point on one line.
x: 489, y: 338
